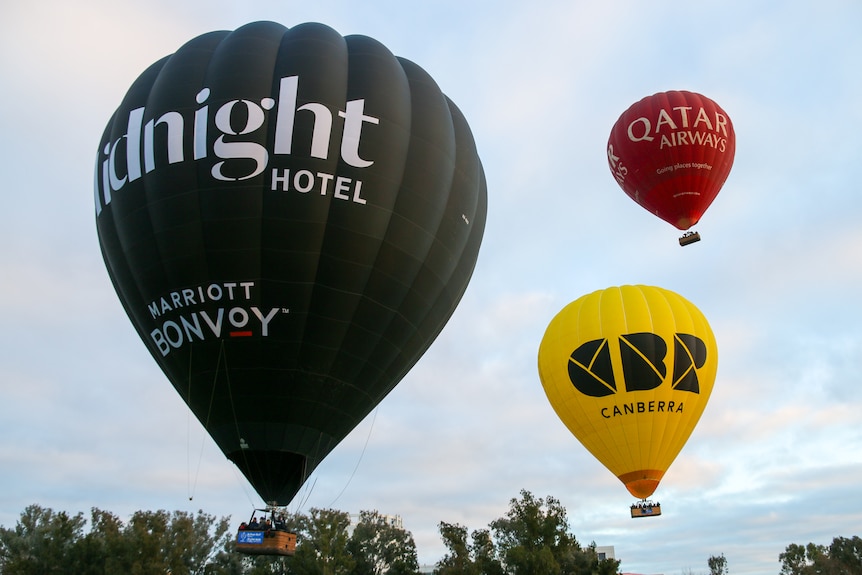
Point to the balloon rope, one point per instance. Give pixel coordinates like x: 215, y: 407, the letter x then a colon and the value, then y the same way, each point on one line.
x: 212, y: 393
x: 361, y: 455
x: 243, y: 484
x: 189, y: 490
x: 193, y: 486
x: 308, y: 492
x: 223, y: 354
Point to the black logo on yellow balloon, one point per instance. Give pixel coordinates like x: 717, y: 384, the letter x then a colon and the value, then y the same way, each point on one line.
x: 644, y: 363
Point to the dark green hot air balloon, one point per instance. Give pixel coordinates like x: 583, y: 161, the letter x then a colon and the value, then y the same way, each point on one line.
x: 289, y: 218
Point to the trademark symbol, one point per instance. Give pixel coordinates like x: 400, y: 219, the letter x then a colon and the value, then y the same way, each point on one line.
x: 285, y: 310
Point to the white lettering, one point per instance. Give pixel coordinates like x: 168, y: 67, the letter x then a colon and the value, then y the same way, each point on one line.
x: 145, y: 148
x: 664, y: 119
x: 238, y: 317
x: 174, y: 123
x: 354, y: 116
x: 214, y: 292
x: 640, y: 128
x: 174, y: 334
x: 341, y: 186
x: 226, y: 150
x: 197, y: 325
x: 298, y: 183
x: 305, y: 181
x: 201, y: 120
x: 356, y: 197
x: 215, y: 326
x: 264, y: 319
x: 645, y: 135
x: 133, y: 144
x: 702, y: 118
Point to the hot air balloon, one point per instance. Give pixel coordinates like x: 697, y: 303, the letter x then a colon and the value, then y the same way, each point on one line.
x: 289, y: 218
x: 629, y: 371
x: 671, y: 153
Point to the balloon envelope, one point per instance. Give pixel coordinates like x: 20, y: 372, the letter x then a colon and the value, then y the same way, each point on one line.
x: 629, y: 371
x: 289, y: 218
x: 671, y: 153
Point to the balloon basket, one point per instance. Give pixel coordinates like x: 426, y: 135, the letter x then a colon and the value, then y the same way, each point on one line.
x: 689, y: 238
x: 645, y: 509
x: 266, y: 542
x: 271, y: 538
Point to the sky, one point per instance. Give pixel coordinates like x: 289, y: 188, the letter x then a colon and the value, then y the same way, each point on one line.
x: 87, y: 419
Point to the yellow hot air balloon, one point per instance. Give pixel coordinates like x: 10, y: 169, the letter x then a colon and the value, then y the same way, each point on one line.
x: 629, y: 371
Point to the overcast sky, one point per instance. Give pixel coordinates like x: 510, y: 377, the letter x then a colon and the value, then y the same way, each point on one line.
x: 88, y: 420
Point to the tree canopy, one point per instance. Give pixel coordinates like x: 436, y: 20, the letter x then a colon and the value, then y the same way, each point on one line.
x: 842, y: 557
x: 155, y: 543
x: 717, y: 565
x: 533, y: 538
x: 151, y: 542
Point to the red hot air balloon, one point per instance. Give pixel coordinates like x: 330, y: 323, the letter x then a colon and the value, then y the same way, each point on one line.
x: 671, y: 153
x: 289, y: 218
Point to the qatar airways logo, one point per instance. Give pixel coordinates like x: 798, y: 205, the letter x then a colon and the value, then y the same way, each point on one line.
x: 135, y: 153
x: 679, y: 127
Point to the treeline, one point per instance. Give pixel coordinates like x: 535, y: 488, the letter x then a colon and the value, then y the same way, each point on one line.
x: 532, y: 538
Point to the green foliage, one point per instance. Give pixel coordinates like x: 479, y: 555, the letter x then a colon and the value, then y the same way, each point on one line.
x: 158, y: 542
x: 322, y: 548
x: 717, y: 565
x: 847, y: 553
x: 532, y: 539
x: 379, y: 547
x: 485, y: 553
x: 463, y: 558
x: 44, y: 542
x: 842, y: 557
x: 40, y: 542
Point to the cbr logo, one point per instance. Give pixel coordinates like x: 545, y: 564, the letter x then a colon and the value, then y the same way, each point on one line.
x: 643, y: 362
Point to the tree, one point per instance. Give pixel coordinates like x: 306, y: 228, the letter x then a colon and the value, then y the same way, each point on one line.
x: 842, y: 557
x: 44, y: 542
x: 458, y: 560
x: 103, y: 549
x: 485, y: 553
x: 476, y: 558
x: 381, y: 548
x: 793, y: 560
x: 717, y: 565
x: 588, y: 563
x: 40, y: 543
x: 322, y: 547
x: 533, y: 537
x: 847, y: 553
